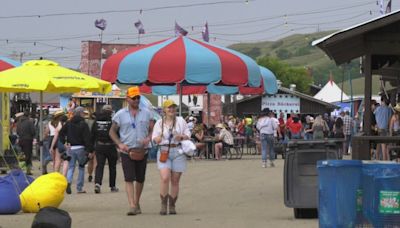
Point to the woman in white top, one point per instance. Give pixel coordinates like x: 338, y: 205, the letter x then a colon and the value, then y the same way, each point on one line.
x: 54, y: 128
x: 170, y: 130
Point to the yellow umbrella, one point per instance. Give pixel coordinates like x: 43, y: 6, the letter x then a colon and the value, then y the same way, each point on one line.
x: 47, y: 76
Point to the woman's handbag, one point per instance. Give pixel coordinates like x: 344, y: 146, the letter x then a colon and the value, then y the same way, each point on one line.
x: 136, y: 154
x: 164, y: 154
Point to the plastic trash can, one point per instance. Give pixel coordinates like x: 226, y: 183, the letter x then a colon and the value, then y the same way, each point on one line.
x: 339, y: 187
x: 381, y: 193
x: 301, y: 177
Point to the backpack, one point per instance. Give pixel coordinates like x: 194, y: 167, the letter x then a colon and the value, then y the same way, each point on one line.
x: 102, y: 130
x: 51, y: 217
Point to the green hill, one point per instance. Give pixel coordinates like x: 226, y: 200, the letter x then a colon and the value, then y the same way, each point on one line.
x: 296, y: 50
x: 358, y: 86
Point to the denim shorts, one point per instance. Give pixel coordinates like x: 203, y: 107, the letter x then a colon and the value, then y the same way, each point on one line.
x: 175, y: 162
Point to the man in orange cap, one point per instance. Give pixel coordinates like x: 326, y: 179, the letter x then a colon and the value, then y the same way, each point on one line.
x: 134, y: 126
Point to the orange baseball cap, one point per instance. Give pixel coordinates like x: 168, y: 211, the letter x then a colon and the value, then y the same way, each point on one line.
x: 133, y: 92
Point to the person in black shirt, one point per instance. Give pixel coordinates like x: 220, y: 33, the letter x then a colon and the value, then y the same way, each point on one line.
x: 105, y: 148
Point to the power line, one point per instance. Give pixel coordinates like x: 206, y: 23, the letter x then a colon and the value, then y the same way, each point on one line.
x: 211, y: 25
x: 126, y: 10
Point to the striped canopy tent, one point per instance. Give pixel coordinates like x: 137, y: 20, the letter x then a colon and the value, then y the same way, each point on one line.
x: 181, y: 60
x: 182, y: 65
x: 268, y: 85
x: 6, y: 63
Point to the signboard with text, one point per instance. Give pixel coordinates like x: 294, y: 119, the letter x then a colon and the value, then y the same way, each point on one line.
x: 285, y: 103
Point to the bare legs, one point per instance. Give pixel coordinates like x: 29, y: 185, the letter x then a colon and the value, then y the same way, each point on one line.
x: 166, y: 194
x: 133, y: 191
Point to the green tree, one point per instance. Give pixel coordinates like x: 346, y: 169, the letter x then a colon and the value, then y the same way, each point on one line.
x: 283, y: 53
x: 286, y: 74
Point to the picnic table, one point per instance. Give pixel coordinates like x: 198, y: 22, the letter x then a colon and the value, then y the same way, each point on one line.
x: 235, y: 152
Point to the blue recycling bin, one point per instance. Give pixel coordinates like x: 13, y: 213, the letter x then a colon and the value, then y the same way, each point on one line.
x: 381, y: 190
x: 339, y: 192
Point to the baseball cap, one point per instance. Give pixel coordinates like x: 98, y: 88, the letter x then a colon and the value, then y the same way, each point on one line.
x: 168, y: 103
x: 19, y: 114
x: 78, y: 110
x: 107, y: 107
x: 133, y: 92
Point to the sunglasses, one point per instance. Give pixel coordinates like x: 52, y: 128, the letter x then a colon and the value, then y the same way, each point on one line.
x: 135, y: 98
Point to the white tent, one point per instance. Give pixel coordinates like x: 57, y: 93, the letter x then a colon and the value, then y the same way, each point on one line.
x: 331, y: 93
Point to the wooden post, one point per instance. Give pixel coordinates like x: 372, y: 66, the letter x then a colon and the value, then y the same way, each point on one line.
x: 367, y: 93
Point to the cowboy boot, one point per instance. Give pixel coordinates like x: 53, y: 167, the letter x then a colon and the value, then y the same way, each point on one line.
x: 172, y: 202
x: 164, y: 203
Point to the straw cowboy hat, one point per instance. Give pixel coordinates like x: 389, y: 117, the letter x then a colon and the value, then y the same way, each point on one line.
x: 220, y: 125
x: 58, y: 113
x: 397, y: 107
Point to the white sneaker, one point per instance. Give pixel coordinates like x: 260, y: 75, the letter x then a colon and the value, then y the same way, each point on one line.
x: 264, y: 164
x: 271, y: 164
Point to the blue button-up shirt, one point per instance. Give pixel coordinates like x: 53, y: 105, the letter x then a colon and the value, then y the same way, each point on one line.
x: 382, y: 116
x: 133, y: 129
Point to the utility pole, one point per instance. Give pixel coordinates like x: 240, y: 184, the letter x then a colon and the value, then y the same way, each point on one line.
x: 21, y: 55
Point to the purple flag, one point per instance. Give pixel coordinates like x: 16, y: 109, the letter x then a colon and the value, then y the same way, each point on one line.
x: 389, y: 7
x: 139, y: 27
x: 205, y: 33
x: 179, y: 30
x: 100, y: 24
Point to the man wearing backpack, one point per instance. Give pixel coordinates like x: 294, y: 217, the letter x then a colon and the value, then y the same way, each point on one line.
x: 76, y: 135
x: 105, y: 148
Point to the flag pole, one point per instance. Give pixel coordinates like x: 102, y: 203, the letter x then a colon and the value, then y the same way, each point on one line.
x: 208, y: 108
x: 101, y: 46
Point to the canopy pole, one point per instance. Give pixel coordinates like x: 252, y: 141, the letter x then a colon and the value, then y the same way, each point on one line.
x: 367, y: 71
x: 180, y: 100
x: 41, y: 132
x: 351, y: 90
x: 208, y: 109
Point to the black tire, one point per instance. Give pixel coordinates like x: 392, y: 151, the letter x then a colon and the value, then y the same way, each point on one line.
x: 297, y: 213
x: 3, y: 171
x: 305, y: 213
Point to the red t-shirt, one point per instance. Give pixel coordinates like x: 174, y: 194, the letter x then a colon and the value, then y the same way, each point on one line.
x: 295, y: 127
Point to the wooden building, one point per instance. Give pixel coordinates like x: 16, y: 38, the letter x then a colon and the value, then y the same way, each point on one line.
x: 286, y: 101
x: 377, y: 42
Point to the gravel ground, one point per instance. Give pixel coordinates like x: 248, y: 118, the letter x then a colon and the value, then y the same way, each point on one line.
x: 234, y: 193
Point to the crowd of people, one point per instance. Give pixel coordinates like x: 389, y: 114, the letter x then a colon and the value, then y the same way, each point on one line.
x: 80, y: 138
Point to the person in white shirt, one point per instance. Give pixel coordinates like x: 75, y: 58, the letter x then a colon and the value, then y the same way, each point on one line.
x: 190, y: 123
x: 168, y: 132
x: 267, y: 126
x: 225, y: 139
x: 54, y: 128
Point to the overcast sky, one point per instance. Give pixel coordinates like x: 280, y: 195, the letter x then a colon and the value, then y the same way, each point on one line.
x: 229, y: 22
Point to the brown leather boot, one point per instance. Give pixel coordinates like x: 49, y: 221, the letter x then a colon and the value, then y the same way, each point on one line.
x: 172, y: 202
x: 164, y: 203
